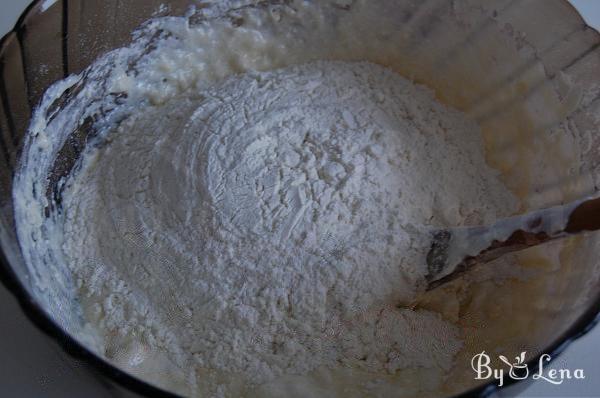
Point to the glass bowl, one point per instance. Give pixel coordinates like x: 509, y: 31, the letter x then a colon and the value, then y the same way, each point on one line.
x: 527, y: 71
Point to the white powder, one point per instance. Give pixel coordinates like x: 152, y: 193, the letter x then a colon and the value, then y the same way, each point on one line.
x: 271, y: 224
x: 236, y: 229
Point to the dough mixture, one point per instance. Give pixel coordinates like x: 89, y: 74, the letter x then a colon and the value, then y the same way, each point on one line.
x: 270, y: 223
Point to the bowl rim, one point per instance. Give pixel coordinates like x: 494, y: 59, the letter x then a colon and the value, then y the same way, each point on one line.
x: 76, y: 350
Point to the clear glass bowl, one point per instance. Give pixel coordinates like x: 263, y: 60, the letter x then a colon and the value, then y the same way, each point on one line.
x: 528, y: 71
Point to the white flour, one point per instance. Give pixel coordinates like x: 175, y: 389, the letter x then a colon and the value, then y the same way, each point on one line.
x: 253, y: 225
x: 237, y: 229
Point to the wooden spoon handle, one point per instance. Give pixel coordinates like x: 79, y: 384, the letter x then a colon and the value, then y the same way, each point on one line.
x: 456, y: 250
x: 585, y: 217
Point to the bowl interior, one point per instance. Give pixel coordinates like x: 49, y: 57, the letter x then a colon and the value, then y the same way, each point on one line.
x: 526, y: 71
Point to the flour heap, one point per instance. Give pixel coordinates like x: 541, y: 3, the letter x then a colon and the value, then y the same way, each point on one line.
x: 274, y: 224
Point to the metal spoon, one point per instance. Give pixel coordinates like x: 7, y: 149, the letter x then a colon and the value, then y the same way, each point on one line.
x: 454, y: 251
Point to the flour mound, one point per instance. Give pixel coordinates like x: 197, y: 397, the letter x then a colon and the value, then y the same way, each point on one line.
x: 273, y: 223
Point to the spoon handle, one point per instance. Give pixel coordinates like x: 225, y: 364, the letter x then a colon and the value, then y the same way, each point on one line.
x: 585, y: 217
x: 456, y: 250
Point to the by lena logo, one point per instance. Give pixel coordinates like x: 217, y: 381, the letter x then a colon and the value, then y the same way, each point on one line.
x: 519, y: 370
